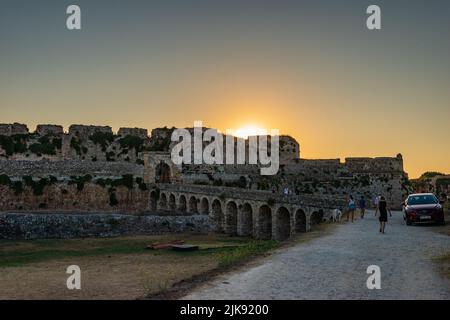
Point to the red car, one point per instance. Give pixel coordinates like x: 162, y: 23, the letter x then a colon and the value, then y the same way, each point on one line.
x: 423, y: 208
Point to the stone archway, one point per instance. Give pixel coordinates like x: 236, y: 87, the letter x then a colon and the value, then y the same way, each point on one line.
x: 182, y: 204
x: 204, y: 206
x: 300, y: 221
x: 231, y: 218
x: 245, y: 221
x: 316, y: 217
x: 163, y: 201
x: 217, y: 215
x: 153, y: 201
x: 265, y: 223
x: 283, y: 224
x: 193, y: 205
x: 172, y: 203
x: 163, y: 173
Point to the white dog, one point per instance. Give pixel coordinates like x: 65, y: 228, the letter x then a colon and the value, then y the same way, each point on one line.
x: 336, y: 215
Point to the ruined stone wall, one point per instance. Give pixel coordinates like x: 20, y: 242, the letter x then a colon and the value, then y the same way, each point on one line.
x: 289, y: 149
x: 97, y: 151
x: 93, y: 143
x: 101, y: 144
x: 62, y: 226
x: 379, y: 164
x: 63, y: 196
x: 67, y: 168
x: 366, y: 177
x: 44, y: 129
x: 11, y: 129
x: 138, y: 132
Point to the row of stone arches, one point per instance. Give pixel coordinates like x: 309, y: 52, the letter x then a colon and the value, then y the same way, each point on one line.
x: 264, y: 222
x: 237, y: 217
x: 161, y: 201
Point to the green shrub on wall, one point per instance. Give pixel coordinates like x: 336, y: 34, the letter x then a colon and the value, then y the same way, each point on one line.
x: 38, y: 185
x: 5, y: 180
x: 104, y: 139
x: 127, y: 181
x: 40, y: 149
x: 80, y: 181
x: 14, y: 144
x: 112, y: 197
x: 143, y: 186
x: 140, y: 182
x: 17, y: 186
x: 76, y: 145
x: 110, y: 156
x: 46, y: 145
x: 132, y: 142
x: 161, y: 144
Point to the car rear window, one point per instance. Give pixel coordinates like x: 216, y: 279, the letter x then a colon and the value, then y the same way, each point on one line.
x: 422, y: 199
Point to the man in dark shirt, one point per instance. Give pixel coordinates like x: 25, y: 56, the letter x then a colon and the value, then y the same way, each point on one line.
x: 362, y: 206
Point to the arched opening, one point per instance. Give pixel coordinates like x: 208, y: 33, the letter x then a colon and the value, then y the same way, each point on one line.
x: 283, y: 224
x: 153, y: 200
x: 316, y: 217
x: 162, y: 173
x: 300, y: 221
x: 182, y: 203
x: 217, y: 215
x: 163, y: 201
x: 265, y: 223
x: 172, y: 203
x: 245, y: 222
x: 204, y: 206
x: 231, y: 218
x: 193, y: 205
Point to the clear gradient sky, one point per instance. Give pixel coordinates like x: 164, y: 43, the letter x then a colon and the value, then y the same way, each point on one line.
x: 308, y: 68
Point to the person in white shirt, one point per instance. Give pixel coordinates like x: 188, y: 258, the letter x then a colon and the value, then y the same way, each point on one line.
x: 376, y: 202
x: 286, y: 193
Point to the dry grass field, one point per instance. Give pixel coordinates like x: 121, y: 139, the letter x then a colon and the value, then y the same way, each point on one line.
x: 116, y: 268
x: 121, y: 268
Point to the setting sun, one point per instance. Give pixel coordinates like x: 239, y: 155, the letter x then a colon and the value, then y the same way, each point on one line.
x: 249, y: 130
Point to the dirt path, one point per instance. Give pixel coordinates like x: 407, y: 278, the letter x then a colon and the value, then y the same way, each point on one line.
x: 334, y: 267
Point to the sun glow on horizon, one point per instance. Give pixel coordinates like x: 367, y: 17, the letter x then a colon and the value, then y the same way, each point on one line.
x: 249, y: 130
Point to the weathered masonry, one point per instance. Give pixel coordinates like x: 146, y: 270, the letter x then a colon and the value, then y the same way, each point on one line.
x: 257, y: 214
x: 92, y: 170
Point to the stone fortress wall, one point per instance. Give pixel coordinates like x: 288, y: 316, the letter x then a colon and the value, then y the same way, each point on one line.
x: 98, y: 152
x: 95, y: 143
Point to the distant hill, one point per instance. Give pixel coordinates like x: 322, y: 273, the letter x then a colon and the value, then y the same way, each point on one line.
x: 430, y: 174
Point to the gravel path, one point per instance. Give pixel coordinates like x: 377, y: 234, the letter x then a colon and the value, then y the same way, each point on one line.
x: 334, y: 266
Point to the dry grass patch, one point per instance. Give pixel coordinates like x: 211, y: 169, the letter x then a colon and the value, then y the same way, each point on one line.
x: 443, y: 261
x: 444, y: 264
x: 121, y: 268
x: 114, y: 268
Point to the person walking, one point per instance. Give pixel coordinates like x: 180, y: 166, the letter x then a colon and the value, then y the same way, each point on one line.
x: 383, y: 208
x: 286, y: 194
x: 351, y: 208
x: 375, y: 203
x: 362, y: 206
